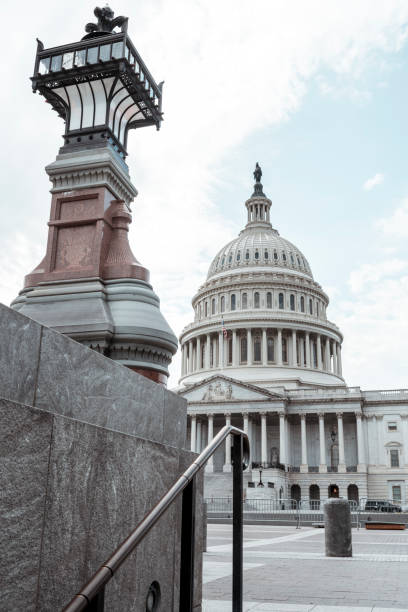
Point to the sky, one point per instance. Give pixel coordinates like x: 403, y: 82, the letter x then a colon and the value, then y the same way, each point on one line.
x: 315, y: 91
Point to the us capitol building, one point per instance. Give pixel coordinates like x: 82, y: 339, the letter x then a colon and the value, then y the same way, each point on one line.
x: 261, y: 354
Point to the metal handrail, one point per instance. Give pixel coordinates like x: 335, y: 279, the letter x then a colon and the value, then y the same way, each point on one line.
x: 91, y: 595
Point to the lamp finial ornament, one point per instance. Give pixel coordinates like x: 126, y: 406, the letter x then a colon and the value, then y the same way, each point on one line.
x: 106, y: 23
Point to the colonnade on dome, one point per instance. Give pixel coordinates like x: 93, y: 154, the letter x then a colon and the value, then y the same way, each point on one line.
x: 261, y: 346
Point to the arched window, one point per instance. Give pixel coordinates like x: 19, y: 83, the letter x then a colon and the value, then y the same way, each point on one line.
x: 203, y: 355
x: 223, y: 261
x: 283, y: 255
x: 244, y: 347
x: 281, y: 301
x: 233, y: 301
x: 230, y: 258
x: 275, y: 255
x: 292, y: 301
x: 284, y: 350
x: 298, y: 260
x: 206, y: 309
x: 269, y: 300
x: 213, y: 306
x: 257, y: 348
x: 256, y: 254
x: 211, y: 354
x: 244, y: 301
x: 256, y: 299
x: 222, y: 304
x: 314, y: 497
x: 270, y: 348
x: 266, y: 255
x: 311, y: 306
x: 247, y: 254
x: 302, y: 304
x: 238, y: 255
x: 317, y: 309
x: 292, y: 259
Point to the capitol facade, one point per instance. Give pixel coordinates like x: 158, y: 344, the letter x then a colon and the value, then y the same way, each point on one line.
x: 262, y: 355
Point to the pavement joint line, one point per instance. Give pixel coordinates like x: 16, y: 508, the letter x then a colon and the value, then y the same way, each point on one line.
x: 212, y: 605
x: 265, y: 542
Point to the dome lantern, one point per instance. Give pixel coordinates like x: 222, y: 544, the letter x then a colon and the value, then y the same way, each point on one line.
x: 258, y: 205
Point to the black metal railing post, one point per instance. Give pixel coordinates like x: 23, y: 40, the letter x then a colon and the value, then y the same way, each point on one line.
x: 97, y: 604
x: 237, y: 524
x: 187, y: 548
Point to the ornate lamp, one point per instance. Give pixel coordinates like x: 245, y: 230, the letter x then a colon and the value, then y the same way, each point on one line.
x: 89, y: 284
x: 100, y: 86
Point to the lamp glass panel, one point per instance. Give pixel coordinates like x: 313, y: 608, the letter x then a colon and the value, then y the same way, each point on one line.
x: 80, y: 58
x: 114, y: 114
x: 68, y: 60
x: 130, y: 113
x: 117, y: 50
x: 104, y: 53
x: 100, y: 102
x: 75, y: 107
x: 44, y: 66
x: 92, y: 57
x: 87, y: 104
x: 56, y: 63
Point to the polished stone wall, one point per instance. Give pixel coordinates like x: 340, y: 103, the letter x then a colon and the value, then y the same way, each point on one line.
x: 87, y: 448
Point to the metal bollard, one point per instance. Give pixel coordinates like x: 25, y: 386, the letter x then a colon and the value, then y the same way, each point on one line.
x: 337, y: 523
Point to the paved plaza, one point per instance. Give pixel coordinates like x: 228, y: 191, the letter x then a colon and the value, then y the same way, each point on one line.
x: 285, y: 570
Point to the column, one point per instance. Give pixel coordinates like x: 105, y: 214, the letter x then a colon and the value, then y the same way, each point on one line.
x: 264, y: 349
x: 404, y: 420
x: 207, y: 352
x: 198, y: 354
x: 294, y: 353
x: 327, y: 354
x: 210, y: 463
x: 198, y: 444
x: 247, y: 429
x: 335, y: 357
x: 339, y: 366
x: 380, y: 441
x: 190, y: 356
x: 227, y: 465
x: 302, y: 352
x: 282, y: 438
x: 220, y: 350
x: 249, y: 346
x: 342, y: 459
x: 304, y: 465
x: 264, y: 452
x: 215, y: 352
x: 234, y: 348
x: 193, y: 433
x: 308, y: 360
x: 361, y: 462
x: 183, y: 359
x: 319, y: 352
x: 322, y: 441
x: 279, y: 348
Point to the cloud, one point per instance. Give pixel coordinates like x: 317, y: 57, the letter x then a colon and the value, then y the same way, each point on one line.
x: 375, y: 325
x: 230, y: 69
x: 377, y: 179
x: 397, y: 224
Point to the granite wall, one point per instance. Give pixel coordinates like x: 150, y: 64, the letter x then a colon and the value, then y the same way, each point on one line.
x: 87, y: 448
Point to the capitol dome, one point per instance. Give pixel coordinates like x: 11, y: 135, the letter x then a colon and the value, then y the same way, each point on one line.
x: 260, y: 316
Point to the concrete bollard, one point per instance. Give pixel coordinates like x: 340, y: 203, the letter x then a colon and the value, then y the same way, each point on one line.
x: 337, y: 523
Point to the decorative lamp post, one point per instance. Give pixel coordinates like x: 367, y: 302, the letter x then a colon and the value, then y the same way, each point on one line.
x: 89, y: 285
x: 260, y: 483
